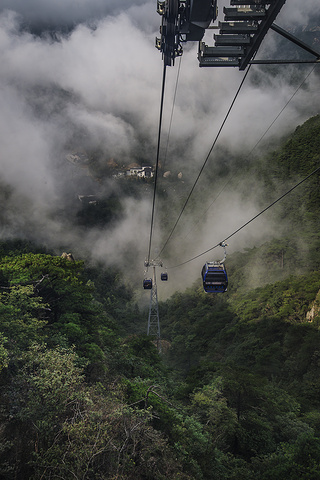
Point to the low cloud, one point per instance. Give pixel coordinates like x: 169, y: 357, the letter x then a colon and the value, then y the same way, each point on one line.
x: 98, y: 87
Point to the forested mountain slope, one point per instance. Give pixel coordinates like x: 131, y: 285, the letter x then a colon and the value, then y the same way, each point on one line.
x: 234, y: 393
x: 295, y: 247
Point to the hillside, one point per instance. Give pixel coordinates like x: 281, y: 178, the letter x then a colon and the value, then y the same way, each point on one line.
x: 234, y: 394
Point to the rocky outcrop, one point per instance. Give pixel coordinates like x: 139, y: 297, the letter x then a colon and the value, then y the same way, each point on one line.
x: 314, y: 310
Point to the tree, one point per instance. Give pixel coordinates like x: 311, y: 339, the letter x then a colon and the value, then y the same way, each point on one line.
x: 52, y: 293
x: 72, y: 430
x: 22, y: 317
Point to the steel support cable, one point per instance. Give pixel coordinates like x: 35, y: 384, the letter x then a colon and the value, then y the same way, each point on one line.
x: 254, y: 147
x: 206, y: 160
x: 283, y: 108
x: 157, y: 160
x: 171, y: 117
x: 249, y: 221
x: 172, y: 110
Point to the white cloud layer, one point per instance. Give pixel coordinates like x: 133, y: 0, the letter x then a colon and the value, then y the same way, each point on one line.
x: 99, y: 86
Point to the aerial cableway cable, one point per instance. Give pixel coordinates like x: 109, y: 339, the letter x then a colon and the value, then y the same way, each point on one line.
x: 157, y: 161
x: 171, y: 116
x: 254, y: 147
x: 206, y: 160
x: 283, y: 108
x: 249, y: 221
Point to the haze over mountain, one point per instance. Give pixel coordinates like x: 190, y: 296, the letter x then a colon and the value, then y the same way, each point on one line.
x: 85, y: 76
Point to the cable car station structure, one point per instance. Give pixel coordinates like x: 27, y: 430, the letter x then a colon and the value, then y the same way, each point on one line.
x: 240, y: 35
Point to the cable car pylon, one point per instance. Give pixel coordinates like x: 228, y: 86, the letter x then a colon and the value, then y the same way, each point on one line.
x: 153, y: 317
x: 153, y: 328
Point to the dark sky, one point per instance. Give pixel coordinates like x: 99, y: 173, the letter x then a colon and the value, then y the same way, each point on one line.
x: 66, y: 12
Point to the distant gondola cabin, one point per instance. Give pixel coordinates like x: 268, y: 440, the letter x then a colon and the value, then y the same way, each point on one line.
x: 164, y: 276
x: 147, y: 284
x: 214, y: 278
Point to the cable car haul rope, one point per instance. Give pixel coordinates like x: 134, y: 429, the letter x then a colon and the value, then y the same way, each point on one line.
x: 251, y: 220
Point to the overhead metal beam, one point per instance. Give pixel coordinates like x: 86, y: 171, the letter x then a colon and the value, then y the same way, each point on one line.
x: 294, y: 40
x: 239, y: 38
x: 272, y: 12
x: 281, y: 62
x: 245, y: 27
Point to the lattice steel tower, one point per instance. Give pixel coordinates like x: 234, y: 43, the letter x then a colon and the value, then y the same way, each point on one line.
x: 153, y: 318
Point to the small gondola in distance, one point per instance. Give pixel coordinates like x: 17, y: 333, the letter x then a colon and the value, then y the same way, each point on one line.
x: 214, y: 278
x: 164, y: 276
x: 147, y: 283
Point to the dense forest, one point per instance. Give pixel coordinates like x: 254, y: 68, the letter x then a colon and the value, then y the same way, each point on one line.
x: 235, y: 391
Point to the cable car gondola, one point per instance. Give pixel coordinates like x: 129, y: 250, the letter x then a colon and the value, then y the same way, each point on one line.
x: 164, y: 276
x: 214, y: 274
x: 147, y: 283
x: 214, y: 277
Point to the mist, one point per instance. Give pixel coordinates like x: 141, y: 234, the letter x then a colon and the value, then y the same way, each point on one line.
x: 82, y: 76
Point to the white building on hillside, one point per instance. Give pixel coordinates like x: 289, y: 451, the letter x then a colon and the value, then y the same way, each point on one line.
x: 143, y: 172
